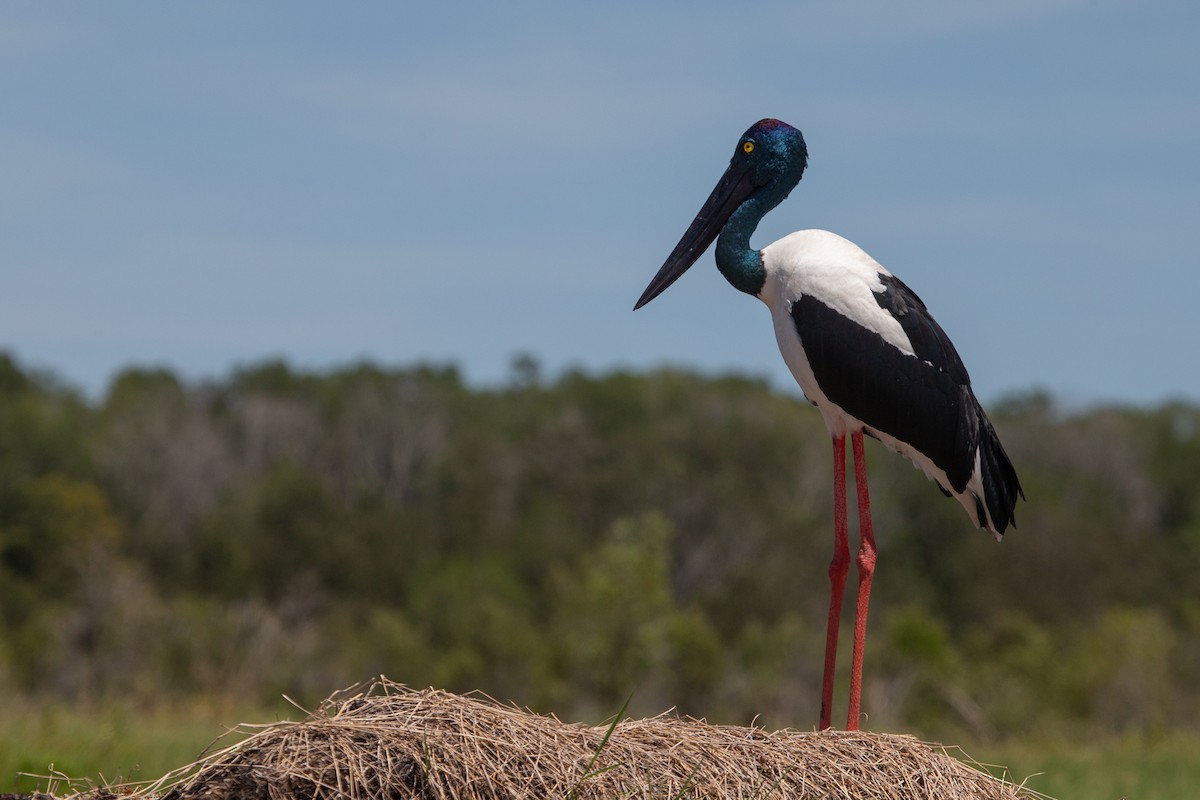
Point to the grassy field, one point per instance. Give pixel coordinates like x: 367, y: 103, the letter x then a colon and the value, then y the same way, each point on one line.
x: 117, y: 744
x: 112, y: 744
x: 1160, y: 768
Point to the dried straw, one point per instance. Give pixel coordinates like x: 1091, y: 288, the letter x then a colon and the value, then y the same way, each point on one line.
x: 389, y: 742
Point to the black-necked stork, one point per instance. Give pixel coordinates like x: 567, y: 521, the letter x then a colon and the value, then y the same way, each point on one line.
x: 866, y: 352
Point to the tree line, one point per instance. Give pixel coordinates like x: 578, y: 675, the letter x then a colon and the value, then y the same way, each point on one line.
x: 567, y: 543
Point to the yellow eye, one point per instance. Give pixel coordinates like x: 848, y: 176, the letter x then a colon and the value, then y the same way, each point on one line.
x: 747, y: 147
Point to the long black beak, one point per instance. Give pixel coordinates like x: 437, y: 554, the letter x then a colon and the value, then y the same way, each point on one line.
x: 731, y: 191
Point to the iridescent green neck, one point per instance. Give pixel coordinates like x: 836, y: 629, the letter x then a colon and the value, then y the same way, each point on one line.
x: 741, y: 265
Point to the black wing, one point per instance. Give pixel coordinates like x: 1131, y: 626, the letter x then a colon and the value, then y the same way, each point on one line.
x: 929, y: 341
x: 933, y: 346
x: 924, y: 400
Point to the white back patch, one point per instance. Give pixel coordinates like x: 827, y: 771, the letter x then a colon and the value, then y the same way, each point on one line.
x: 836, y: 272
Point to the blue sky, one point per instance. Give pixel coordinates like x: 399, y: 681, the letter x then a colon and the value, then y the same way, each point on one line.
x: 211, y: 184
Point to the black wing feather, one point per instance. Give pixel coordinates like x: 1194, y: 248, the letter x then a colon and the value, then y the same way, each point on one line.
x: 924, y: 400
x: 928, y: 340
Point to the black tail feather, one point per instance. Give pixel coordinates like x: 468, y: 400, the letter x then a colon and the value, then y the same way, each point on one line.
x: 1000, y: 484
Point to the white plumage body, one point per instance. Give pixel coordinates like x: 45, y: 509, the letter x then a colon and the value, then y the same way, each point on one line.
x: 843, y: 277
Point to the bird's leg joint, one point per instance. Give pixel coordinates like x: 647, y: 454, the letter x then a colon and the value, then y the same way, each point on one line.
x: 866, y: 558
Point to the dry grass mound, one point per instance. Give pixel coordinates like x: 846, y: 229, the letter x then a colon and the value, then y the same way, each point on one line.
x: 388, y: 742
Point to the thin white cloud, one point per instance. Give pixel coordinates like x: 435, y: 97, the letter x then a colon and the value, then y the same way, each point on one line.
x: 39, y: 173
x: 547, y: 109
x: 24, y: 38
x: 909, y: 24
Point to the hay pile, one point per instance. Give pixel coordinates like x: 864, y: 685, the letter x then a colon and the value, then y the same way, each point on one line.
x: 389, y: 742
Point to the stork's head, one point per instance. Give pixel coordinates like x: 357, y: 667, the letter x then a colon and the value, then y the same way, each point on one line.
x: 774, y: 152
x: 767, y: 163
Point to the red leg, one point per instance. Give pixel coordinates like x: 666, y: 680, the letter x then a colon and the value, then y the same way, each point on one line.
x: 866, y: 569
x: 838, y: 568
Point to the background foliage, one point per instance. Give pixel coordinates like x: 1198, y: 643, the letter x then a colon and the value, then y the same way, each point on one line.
x: 564, y: 543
